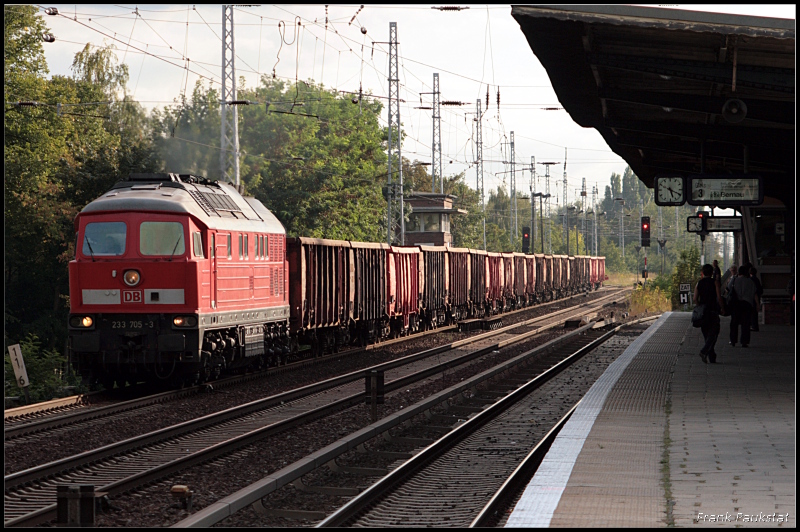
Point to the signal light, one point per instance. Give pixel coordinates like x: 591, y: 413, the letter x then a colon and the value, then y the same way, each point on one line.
x: 645, y: 231
x: 526, y: 239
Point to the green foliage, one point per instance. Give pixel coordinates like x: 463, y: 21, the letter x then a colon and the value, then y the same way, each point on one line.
x: 55, y: 163
x: 498, y: 221
x: 662, y: 282
x: 184, y: 135
x: 322, y: 177
x: 686, y: 271
x: 46, y: 369
x: 649, y: 298
x: 312, y: 157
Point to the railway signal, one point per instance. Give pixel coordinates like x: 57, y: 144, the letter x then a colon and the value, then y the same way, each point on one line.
x: 526, y: 239
x: 645, y: 231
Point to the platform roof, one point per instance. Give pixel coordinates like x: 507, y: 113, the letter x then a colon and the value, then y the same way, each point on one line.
x: 654, y: 81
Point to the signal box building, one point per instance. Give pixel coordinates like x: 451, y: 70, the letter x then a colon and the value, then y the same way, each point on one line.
x: 429, y: 221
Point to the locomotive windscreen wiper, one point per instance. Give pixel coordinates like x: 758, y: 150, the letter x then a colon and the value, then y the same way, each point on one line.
x: 91, y: 251
x: 176, y: 246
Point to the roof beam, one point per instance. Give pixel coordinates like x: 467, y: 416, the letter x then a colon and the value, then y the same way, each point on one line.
x: 764, y: 78
x: 719, y: 133
x: 757, y: 109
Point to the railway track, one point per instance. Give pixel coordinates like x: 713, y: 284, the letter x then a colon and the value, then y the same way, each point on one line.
x: 322, y: 485
x: 449, y: 482
x: 30, y: 494
x: 42, y: 417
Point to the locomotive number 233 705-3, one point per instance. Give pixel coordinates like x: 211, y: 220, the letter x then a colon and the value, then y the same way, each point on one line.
x: 132, y: 324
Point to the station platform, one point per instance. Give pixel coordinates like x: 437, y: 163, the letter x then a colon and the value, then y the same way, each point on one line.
x: 663, y: 439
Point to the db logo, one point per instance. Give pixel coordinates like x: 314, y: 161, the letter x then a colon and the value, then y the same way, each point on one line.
x: 132, y: 296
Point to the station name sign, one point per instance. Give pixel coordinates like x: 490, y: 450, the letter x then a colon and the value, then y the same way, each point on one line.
x: 725, y: 190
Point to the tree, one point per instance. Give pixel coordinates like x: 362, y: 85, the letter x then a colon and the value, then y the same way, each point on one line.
x: 57, y: 158
x: 687, y: 270
x: 185, y: 136
x: 320, y: 167
x: 630, y: 188
x: 312, y: 157
x: 467, y: 229
x: 498, y: 225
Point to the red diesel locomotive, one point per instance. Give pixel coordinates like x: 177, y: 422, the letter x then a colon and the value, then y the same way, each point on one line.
x: 178, y: 279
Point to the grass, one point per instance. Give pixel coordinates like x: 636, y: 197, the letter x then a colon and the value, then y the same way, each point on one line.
x: 621, y: 279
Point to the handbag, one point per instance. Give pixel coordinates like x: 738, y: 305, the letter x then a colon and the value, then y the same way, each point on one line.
x: 698, y: 314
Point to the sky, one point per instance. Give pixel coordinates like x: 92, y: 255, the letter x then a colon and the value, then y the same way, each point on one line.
x: 169, y: 47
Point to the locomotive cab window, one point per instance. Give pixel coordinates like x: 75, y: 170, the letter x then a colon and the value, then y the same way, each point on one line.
x: 198, y: 245
x: 161, y: 238
x: 104, y: 239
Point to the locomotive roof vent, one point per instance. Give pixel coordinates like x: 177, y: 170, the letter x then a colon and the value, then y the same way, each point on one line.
x: 153, y: 177
x: 175, y: 178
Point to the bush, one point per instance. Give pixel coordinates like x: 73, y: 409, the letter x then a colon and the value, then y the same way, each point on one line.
x: 686, y: 271
x: 46, y: 372
x: 649, y: 298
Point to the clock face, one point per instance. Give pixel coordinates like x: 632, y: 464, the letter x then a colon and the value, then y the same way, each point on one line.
x: 669, y: 191
x: 694, y: 224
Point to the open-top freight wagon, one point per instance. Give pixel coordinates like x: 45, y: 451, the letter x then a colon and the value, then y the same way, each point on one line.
x: 179, y: 279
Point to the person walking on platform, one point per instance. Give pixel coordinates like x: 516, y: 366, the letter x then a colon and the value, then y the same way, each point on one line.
x: 717, y: 274
x: 759, y: 292
x: 706, y: 292
x: 746, y: 300
x: 725, y: 289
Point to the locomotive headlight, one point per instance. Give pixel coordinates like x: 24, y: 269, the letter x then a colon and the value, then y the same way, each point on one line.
x: 131, y: 278
x: 81, y: 321
x: 184, y: 321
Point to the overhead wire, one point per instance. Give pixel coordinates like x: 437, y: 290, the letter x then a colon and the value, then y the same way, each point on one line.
x: 459, y: 154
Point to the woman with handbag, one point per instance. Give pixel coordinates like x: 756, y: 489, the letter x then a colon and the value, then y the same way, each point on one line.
x: 706, y: 293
